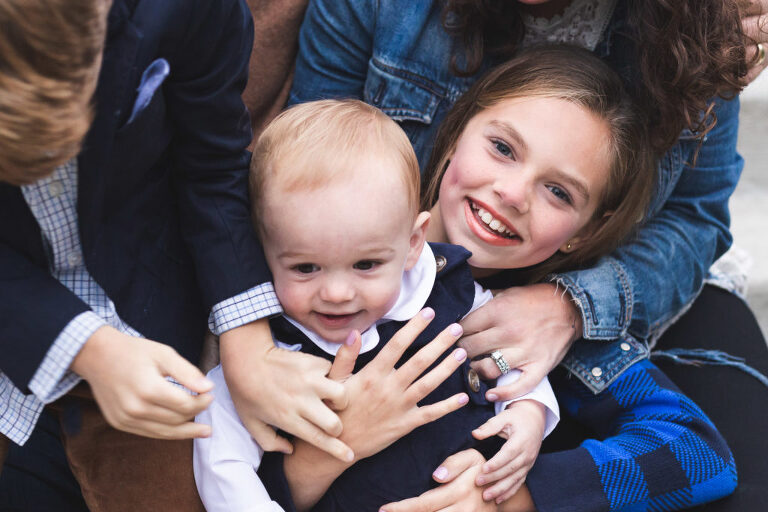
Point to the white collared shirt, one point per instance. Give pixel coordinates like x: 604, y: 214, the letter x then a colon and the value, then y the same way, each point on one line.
x: 225, y: 464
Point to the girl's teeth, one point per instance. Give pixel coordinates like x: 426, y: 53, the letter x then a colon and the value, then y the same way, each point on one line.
x: 494, y: 225
x: 487, y: 217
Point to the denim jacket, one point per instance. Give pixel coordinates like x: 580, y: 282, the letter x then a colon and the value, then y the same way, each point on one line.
x: 396, y: 55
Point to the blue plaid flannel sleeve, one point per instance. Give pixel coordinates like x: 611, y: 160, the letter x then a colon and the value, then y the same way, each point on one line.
x: 248, y: 306
x: 658, y: 451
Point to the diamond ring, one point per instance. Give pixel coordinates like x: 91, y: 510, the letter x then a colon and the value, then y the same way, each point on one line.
x: 498, y: 358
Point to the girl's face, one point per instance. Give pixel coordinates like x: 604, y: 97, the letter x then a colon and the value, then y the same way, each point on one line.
x: 524, y: 181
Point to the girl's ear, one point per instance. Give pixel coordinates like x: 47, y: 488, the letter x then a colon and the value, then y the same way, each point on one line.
x: 418, y: 237
x: 575, y: 242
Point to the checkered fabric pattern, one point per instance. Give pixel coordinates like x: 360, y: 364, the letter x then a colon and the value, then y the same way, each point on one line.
x: 53, y: 202
x: 658, y: 451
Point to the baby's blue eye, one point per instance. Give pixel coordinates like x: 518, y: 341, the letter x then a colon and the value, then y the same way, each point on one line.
x: 365, y: 265
x: 306, y: 268
x: 503, y: 148
x: 559, y: 193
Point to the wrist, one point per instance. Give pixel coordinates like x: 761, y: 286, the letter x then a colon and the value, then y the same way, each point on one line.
x: 571, y: 311
x: 252, y: 338
x: 93, y: 351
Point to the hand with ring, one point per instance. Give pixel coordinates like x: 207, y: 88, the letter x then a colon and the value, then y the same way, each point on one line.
x: 754, y: 22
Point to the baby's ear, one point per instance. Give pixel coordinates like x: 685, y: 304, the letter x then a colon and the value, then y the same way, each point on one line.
x: 418, y: 237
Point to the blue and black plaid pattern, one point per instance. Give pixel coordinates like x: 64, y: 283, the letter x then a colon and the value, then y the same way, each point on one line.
x: 53, y: 202
x: 658, y: 451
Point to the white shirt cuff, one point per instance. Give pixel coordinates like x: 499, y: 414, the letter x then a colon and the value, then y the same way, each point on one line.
x: 251, y: 305
x: 53, y: 377
x: 542, y: 393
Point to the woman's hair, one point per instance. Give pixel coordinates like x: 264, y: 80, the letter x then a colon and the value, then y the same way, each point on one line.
x: 50, y: 56
x: 571, y: 74
x: 688, y: 52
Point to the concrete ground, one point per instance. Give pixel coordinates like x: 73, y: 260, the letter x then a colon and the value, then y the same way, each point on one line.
x: 749, y: 203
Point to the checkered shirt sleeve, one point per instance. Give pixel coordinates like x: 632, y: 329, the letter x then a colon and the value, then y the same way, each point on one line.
x: 656, y: 450
x: 253, y: 304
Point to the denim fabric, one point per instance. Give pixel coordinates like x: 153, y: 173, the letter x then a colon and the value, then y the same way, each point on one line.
x: 396, y: 56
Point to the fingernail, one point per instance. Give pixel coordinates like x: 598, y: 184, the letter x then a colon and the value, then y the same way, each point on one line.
x: 463, y: 399
x: 204, y: 383
x: 455, y: 329
x: 350, y: 338
x: 480, y: 480
x: 440, y: 473
x: 460, y: 354
x: 428, y: 313
x: 492, y: 397
x: 350, y: 456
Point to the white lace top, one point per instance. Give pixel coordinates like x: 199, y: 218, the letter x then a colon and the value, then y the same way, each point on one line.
x: 582, y: 23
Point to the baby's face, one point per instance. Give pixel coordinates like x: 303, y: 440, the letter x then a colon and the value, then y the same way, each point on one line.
x: 524, y: 181
x: 337, y: 253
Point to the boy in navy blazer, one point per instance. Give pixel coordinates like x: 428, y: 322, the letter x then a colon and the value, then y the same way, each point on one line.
x: 124, y: 231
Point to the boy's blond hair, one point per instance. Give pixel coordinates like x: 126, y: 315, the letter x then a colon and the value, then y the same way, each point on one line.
x: 314, y: 143
x: 50, y: 55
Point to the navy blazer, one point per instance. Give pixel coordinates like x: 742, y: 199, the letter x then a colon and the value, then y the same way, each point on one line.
x: 162, y: 195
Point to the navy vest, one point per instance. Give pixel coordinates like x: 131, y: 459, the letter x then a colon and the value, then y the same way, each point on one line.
x: 404, y: 469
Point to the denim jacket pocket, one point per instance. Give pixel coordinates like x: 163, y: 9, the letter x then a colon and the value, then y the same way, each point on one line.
x: 598, y: 363
x: 401, y: 94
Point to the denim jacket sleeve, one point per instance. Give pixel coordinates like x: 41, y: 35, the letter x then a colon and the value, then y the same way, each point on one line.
x: 648, y: 282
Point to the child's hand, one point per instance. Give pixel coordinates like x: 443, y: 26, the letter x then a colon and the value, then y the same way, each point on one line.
x: 272, y: 386
x: 522, y: 424
x: 128, y: 378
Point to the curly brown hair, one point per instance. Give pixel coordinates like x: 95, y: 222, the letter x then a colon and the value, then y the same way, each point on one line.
x: 688, y: 52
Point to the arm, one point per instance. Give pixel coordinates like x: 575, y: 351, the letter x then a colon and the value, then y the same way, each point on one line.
x: 657, y: 446
x: 211, y: 166
x: 335, y: 44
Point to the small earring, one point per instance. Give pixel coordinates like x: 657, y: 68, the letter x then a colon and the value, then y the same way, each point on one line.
x: 568, y: 247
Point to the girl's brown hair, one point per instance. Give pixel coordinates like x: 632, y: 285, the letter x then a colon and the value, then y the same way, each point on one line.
x: 688, y: 52
x: 50, y: 55
x: 575, y: 75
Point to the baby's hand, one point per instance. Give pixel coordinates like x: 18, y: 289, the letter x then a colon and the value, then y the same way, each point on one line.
x: 522, y: 424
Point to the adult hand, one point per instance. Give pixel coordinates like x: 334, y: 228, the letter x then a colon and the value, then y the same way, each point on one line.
x: 383, y: 401
x: 272, y: 386
x: 754, y: 22
x: 533, y: 326
x: 459, y: 492
x: 128, y: 378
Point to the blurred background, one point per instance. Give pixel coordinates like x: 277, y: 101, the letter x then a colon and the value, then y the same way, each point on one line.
x: 749, y: 203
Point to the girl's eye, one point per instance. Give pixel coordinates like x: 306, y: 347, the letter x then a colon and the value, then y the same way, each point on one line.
x: 503, y: 148
x: 365, y: 265
x: 306, y: 268
x: 560, y: 193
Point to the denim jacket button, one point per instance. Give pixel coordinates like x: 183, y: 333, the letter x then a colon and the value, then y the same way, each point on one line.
x: 625, y: 347
x: 473, y: 380
x: 597, y: 371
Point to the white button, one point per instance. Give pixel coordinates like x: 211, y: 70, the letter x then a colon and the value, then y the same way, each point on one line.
x: 597, y: 371
x: 625, y: 347
x: 73, y: 258
x: 55, y: 188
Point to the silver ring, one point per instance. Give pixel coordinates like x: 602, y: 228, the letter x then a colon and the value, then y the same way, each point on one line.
x: 498, y: 358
